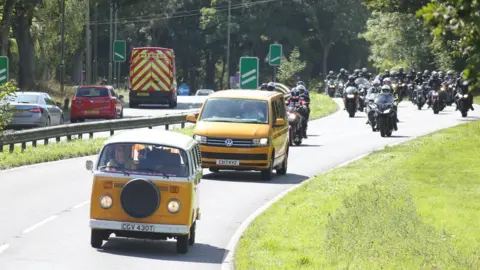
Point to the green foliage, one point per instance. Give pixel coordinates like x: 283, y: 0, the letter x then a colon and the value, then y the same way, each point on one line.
x: 290, y: 68
x: 396, y: 40
x: 6, y: 90
x: 460, y: 19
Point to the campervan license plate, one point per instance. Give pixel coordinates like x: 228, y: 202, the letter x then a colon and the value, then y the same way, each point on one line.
x: 137, y: 227
x: 228, y: 162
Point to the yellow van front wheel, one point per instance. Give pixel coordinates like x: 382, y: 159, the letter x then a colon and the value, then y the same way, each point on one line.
x: 267, y: 174
x: 182, y: 243
x: 96, y: 238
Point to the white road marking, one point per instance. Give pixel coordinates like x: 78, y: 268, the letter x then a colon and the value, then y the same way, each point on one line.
x: 81, y: 204
x: 39, y: 224
x: 3, y: 247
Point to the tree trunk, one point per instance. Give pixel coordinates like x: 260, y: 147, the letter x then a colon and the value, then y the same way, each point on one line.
x: 326, y: 52
x: 77, y: 67
x: 209, y: 70
x: 222, y: 76
x: 5, y: 26
x: 26, y: 52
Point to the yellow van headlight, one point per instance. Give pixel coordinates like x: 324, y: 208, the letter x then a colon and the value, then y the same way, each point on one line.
x: 173, y: 206
x: 260, y: 142
x: 200, y: 139
x: 106, y: 201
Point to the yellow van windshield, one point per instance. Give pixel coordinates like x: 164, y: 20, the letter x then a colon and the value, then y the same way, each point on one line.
x: 143, y: 159
x: 235, y: 110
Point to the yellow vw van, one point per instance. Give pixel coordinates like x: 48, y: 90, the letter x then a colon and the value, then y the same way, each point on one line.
x: 145, y: 185
x: 243, y: 130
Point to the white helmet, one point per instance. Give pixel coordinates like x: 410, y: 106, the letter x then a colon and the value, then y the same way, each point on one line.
x: 271, y: 86
x: 301, y: 89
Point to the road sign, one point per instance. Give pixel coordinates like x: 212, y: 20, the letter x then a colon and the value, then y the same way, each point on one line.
x: 119, y: 51
x: 249, y: 72
x: 275, y: 54
x: 3, y: 69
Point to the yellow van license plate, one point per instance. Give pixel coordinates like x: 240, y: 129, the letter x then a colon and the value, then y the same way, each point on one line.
x: 137, y: 227
x: 143, y: 94
x: 228, y: 162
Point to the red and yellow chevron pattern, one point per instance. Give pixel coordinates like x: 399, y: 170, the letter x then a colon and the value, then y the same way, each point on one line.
x: 151, y: 69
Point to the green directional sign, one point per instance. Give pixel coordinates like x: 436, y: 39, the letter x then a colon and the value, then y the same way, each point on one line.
x: 275, y: 54
x: 3, y: 69
x: 119, y: 51
x: 249, y: 73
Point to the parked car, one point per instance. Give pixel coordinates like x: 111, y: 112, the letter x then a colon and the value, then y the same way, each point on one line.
x: 204, y: 92
x: 32, y: 110
x: 96, y: 102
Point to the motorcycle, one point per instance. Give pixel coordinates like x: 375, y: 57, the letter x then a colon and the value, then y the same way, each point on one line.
x: 340, y: 86
x: 399, y: 88
x: 419, y: 98
x: 331, y: 88
x: 364, y: 86
x: 450, y: 97
x: 436, y: 102
x: 385, y: 114
x: 351, y: 100
x: 295, y: 122
x: 443, y: 96
x: 371, y: 109
x: 463, y: 104
x: 411, y: 94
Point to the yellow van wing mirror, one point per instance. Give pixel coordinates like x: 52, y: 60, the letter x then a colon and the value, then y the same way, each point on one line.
x: 191, y: 118
x: 280, y: 122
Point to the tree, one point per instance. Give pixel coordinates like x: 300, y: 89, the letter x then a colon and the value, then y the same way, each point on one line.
x: 6, y: 90
x: 460, y: 19
x: 398, y: 39
x: 290, y: 68
x: 6, y: 9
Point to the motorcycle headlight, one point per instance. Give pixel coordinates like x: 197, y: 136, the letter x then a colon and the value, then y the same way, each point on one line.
x: 435, y: 94
x: 465, y: 96
x: 106, y: 201
x: 260, y: 142
x: 387, y: 110
x: 331, y: 85
x: 350, y: 96
x: 292, y: 117
x: 200, y: 139
x: 394, y: 85
x: 341, y: 84
x: 442, y: 89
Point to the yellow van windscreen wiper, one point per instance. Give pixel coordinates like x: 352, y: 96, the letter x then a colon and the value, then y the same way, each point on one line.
x: 114, y: 167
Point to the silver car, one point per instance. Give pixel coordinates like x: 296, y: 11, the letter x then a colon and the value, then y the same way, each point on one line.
x: 204, y: 92
x: 33, y: 109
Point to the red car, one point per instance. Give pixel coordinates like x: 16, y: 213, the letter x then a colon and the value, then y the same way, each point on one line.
x: 96, y: 102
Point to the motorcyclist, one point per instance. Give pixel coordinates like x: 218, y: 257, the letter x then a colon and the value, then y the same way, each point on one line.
x: 411, y: 76
x: 462, y: 89
x: 441, y: 75
x: 342, y: 76
x: 271, y: 86
x: 386, y: 90
x: 450, y: 78
x: 418, y: 79
x: 401, y: 76
x: 356, y: 73
x: 426, y: 75
x: 364, y: 73
x: 331, y: 75
x: 351, y: 82
x: 386, y: 74
x: 303, y: 93
x: 434, y: 84
x: 296, y: 95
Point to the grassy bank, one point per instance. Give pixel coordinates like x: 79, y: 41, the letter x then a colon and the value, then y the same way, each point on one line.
x: 58, y: 151
x: 406, y: 207
x: 321, y: 105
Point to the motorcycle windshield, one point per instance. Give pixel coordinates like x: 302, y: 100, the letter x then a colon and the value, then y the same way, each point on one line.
x: 331, y: 82
x: 351, y: 90
x: 363, y: 81
x: 384, y: 99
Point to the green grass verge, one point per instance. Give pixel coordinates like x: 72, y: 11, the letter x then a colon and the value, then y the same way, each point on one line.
x: 413, y: 206
x: 58, y: 151
x: 321, y: 105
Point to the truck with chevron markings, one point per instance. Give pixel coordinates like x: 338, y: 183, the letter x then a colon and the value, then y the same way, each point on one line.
x: 152, y: 78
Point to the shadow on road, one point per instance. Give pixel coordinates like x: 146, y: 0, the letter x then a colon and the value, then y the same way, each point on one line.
x: 162, y: 250
x: 306, y: 145
x: 255, y: 177
x: 399, y: 136
x: 470, y: 119
x: 180, y: 106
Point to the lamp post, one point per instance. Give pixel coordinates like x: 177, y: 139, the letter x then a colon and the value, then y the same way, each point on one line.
x: 88, y: 57
x: 228, y: 42
x: 62, y: 63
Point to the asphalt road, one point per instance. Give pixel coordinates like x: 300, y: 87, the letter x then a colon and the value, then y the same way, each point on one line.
x: 45, y: 209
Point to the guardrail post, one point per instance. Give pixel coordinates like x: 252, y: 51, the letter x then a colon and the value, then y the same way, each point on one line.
x: 45, y: 141
x: 12, y: 147
x: 183, y: 125
x: 166, y: 127
x: 1, y: 148
x: 90, y: 135
x: 69, y: 137
x: 149, y: 127
x: 112, y: 132
x: 80, y: 136
x: 34, y: 143
x: 24, y: 146
x: 57, y: 139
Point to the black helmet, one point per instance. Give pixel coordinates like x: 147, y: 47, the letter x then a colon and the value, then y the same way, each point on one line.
x: 434, y: 75
x: 419, y: 74
x: 351, y: 78
x: 300, y: 83
x: 387, y: 72
x: 342, y: 70
x: 426, y: 72
x: 270, y: 86
x: 263, y: 86
x: 450, y: 73
x: 331, y: 72
x: 356, y: 71
x: 364, y: 70
x: 400, y: 69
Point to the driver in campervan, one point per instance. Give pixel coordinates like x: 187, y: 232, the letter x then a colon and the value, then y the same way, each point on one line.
x: 121, y: 158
